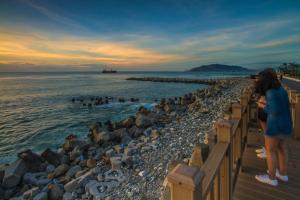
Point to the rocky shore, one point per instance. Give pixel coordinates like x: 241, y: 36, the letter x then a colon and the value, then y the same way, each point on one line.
x: 123, y: 160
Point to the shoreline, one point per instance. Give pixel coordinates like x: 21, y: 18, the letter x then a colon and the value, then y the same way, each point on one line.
x: 128, y: 147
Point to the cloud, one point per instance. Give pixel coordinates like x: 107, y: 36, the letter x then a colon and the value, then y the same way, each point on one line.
x: 54, y: 15
x: 279, y: 42
x: 231, y: 45
x: 43, y: 49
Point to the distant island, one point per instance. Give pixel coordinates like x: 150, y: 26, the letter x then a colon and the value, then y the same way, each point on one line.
x: 218, y: 68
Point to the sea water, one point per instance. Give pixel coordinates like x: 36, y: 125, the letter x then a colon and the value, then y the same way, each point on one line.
x: 36, y: 110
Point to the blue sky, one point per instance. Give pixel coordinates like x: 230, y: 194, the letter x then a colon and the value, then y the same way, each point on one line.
x: 59, y: 35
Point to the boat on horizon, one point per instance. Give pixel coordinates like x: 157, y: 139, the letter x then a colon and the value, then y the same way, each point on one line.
x: 109, y: 71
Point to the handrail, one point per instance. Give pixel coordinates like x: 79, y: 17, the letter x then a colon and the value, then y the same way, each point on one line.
x: 216, y: 178
x: 212, y: 165
x: 224, y: 161
x: 294, y: 98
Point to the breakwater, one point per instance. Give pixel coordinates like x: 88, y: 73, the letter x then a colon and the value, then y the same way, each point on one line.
x: 174, y: 80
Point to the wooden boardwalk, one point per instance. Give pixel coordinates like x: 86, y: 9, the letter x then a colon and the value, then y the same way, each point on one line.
x: 247, y: 188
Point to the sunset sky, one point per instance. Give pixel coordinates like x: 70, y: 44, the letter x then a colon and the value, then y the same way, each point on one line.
x: 66, y: 35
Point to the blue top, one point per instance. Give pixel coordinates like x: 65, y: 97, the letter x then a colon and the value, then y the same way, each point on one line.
x: 279, y: 121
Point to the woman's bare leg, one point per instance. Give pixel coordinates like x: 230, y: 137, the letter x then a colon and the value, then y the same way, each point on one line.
x: 271, y: 148
x: 263, y: 125
x: 282, y: 157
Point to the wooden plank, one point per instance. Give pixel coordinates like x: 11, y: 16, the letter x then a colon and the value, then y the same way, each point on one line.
x: 248, y: 188
x: 282, y: 191
x: 212, y: 165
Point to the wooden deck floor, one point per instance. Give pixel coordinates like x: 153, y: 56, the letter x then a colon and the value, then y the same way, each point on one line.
x: 247, y: 188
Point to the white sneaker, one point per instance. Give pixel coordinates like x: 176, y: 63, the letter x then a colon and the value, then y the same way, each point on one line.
x: 284, y: 178
x: 261, y: 150
x: 266, y: 179
x: 262, y: 155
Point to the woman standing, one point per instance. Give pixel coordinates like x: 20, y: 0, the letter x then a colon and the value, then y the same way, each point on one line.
x: 278, y: 129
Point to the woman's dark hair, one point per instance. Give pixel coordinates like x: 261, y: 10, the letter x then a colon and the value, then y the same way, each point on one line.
x: 267, y: 79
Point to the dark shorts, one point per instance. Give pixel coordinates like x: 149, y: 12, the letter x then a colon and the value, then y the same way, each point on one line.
x: 262, y: 115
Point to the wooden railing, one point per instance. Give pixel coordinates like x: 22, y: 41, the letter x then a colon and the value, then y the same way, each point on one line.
x: 295, y: 111
x: 216, y: 178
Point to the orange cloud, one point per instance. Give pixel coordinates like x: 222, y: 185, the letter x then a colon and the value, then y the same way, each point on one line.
x: 41, y: 49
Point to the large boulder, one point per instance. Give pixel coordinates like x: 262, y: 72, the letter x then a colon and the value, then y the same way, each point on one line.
x: 73, y: 141
x: 14, y: 173
x: 101, y: 137
x: 128, y: 123
x: 52, y: 157
x: 36, y: 179
x: 135, y: 131
x: 143, y: 121
x: 168, y: 108
x: 2, y: 171
x: 118, y: 134
x: 32, y: 160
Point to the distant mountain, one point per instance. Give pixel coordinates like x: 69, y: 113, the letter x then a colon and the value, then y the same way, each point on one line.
x: 218, y: 68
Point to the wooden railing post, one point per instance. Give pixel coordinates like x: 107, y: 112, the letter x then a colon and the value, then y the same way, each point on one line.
x: 238, y: 137
x: 292, y: 94
x: 244, y: 103
x: 296, y: 119
x: 199, y: 155
x: 224, y: 132
x: 185, y: 182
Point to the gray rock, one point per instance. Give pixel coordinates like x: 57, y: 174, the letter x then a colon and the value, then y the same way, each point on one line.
x: 61, y: 169
x: 73, y: 170
x: 119, y: 148
x: 102, y: 137
x: 17, y: 198
x: 55, y: 192
x: 52, y: 157
x: 32, y: 160
x: 36, y: 179
x: 8, y: 193
x: 50, y: 168
x: 13, y: 174
x: 91, y: 163
x: 99, y: 153
x: 98, y: 189
x: 2, y: 171
x: 68, y: 196
x: 29, y: 194
x: 119, y: 133
x: 142, y: 121
x: 129, y: 122
x: 110, y: 153
x: 129, y: 151
x: 41, y: 196
x: 127, y: 160
x: 65, y: 159
x: 75, y: 153
x: 72, y: 185
x: 115, y: 162
x: 114, y: 175
x: 82, y: 180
